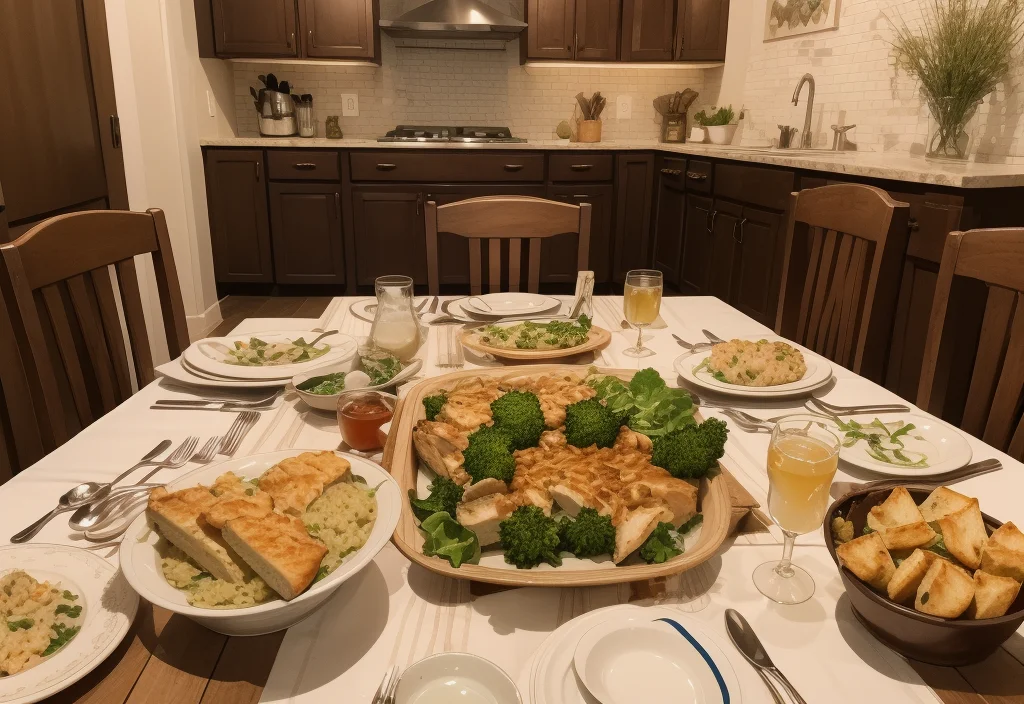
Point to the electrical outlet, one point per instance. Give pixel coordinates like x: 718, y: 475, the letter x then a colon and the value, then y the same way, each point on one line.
x: 349, y: 105
x: 211, y: 104
x: 624, y: 107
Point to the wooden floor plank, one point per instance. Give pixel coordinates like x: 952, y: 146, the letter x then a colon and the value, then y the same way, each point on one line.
x: 949, y: 685
x: 235, y: 309
x: 280, y: 307
x: 243, y: 670
x: 998, y: 678
x: 185, y: 657
x: 313, y: 307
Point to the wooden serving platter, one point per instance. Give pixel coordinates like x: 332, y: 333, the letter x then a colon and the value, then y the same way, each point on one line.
x: 401, y: 460
x: 597, y: 338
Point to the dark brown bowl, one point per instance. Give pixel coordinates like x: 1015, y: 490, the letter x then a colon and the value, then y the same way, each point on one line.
x: 919, y: 636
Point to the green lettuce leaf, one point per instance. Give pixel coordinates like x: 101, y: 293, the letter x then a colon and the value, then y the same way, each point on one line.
x: 449, y: 539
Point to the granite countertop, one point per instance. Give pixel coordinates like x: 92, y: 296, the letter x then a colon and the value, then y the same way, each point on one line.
x: 895, y: 167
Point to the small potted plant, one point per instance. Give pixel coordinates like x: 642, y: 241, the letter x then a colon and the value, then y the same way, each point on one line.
x: 719, y: 124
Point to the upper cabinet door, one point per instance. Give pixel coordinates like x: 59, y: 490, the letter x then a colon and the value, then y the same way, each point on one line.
x: 701, y: 30
x: 647, y: 29
x: 597, y: 29
x: 338, y: 29
x: 551, y: 29
x: 254, y: 27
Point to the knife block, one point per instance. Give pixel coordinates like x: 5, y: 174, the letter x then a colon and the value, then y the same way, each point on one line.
x: 589, y: 131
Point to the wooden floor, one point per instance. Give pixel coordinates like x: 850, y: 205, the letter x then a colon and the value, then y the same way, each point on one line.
x: 235, y: 309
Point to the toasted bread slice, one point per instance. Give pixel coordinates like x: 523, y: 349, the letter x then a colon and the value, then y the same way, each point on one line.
x: 292, y: 493
x: 1007, y: 536
x: 945, y: 591
x: 179, y: 518
x: 964, y: 534
x: 278, y: 549
x: 908, y: 537
x: 942, y: 502
x: 897, y: 510
x: 332, y: 468
x: 907, y: 578
x: 868, y: 558
x: 258, y: 505
x: 636, y: 527
x: 993, y: 596
x: 1003, y: 562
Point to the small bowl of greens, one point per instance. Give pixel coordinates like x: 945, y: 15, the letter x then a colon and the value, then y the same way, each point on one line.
x: 370, y: 369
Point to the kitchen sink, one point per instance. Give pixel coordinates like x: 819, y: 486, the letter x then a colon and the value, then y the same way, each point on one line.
x: 740, y: 149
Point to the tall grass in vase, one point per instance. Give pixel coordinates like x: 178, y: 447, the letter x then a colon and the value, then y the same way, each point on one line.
x: 962, y: 50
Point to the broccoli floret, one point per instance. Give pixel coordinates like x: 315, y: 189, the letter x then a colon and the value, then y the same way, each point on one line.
x: 519, y: 416
x: 489, y: 455
x: 589, y: 423
x: 445, y: 495
x: 434, y: 404
x: 590, y: 534
x: 529, y: 538
x: 659, y: 546
x: 689, y: 452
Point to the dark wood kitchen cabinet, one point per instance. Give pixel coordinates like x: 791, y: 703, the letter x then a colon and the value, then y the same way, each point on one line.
x: 670, y: 217
x: 558, y: 253
x: 339, y: 29
x: 387, y: 226
x: 759, y: 240
x: 702, y: 27
x: 254, y: 28
x: 306, y: 233
x: 648, y: 30
x: 585, y: 30
x: 698, y: 233
x: 597, y: 30
x: 239, y: 223
x: 634, y: 183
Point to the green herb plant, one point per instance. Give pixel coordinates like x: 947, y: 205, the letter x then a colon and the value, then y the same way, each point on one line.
x: 717, y: 118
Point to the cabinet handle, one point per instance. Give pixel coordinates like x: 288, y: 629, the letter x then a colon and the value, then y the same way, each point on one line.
x: 581, y: 167
x: 913, y: 225
x: 311, y: 42
x: 737, y: 230
x: 581, y: 196
x: 696, y: 176
x: 115, y: 131
x: 419, y: 203
x: 672, y: 172
x: 711, y: 227
x: 257, y: 165
x: 513, y: 167
x: 304, y: 166
x: 291, y: 39
x: 386, y: 167
x: 337, y: 205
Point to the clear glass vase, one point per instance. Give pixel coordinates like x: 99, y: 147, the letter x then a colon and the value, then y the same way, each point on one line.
x: 396, y: 327
x: 950, y: 130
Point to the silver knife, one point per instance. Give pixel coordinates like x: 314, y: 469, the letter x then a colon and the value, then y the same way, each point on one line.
x: 747, y: 642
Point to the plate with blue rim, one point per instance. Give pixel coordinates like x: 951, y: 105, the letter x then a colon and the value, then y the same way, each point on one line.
x: 645, y: 656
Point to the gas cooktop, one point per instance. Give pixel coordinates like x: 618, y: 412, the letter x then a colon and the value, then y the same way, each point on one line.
x: 417, y: 133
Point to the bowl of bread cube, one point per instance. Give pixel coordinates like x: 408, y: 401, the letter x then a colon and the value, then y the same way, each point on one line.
x: 927, y: 572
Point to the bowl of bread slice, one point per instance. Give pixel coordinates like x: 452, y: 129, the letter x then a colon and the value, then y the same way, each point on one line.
x: 927, y: 572
x: 253, y: 545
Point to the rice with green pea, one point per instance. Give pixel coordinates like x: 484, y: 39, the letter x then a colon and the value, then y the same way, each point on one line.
x: 40, y: 618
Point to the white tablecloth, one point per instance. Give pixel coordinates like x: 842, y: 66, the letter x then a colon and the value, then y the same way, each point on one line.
x: 394, y: 612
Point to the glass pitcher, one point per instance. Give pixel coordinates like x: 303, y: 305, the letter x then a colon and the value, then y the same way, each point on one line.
x: 396, y: 328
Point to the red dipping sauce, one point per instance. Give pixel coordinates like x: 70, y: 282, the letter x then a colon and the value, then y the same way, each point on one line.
x: 360, y: 415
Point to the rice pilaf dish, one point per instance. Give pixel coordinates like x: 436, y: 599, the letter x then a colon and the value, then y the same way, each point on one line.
x: 41, y: 618
x: 761, y: 363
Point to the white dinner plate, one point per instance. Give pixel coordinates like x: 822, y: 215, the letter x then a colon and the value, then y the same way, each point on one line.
x: 460, y: 309
x: 945, y: 447
x: 511, y: 303
x: 641, y: 657
x: 818, y: 374
x: 109, y: 610
x: 179, y: 372
x: 140, y: 561
x: 366, y: 308
x: 553, y: 678
x: 208, y: 356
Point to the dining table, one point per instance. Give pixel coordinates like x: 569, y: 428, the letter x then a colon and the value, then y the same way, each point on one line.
x: 394, y: 612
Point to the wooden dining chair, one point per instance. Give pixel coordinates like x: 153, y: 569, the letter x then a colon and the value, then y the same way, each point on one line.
x: 511, y: 218
x: 58, y: 280
x: 995, y: 397
x: 840, y: 279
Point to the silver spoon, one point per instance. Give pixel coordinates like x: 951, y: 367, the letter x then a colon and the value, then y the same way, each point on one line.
x: 322, y: 336
x: 79, y: 496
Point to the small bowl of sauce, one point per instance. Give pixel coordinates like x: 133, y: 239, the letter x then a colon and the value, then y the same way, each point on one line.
x: 360, y: 415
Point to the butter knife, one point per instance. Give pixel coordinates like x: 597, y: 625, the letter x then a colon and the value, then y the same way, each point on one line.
x: 747, y: 642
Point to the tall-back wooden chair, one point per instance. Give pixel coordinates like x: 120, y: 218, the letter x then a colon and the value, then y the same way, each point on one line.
x: 21, y: 438
x: 511, y: 218
x: 58, y: 281
x: 995, y: 397
x: 840, y: 278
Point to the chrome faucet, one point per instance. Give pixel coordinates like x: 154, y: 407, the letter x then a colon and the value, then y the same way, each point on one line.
x: 805, y: 136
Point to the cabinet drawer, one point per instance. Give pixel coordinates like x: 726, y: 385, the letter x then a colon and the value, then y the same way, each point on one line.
x: 698, y: 176
x: 768, y: 188
x: 581, y: 167
x: 446, y: 167
x: 672, y: 169
x: 302, y: 165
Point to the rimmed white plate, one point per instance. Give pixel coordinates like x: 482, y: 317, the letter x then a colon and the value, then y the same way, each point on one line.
x: 460, y: 309
x: 553, y: 678
x: 208, y: 356
x: 818, y: 374
x: 647, y: 658
x: 945, y: 447
x: 512, y: 303
x: 178, y: 371
x: 456, y: 677
x: 140, y: 561
x: 110, y: 606
x: 366, y: 308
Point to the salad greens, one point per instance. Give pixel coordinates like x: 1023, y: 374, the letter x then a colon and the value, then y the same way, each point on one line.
x: 885, y: 441
x: 647, y: 402
x: 259, y: 353
x: 327, y: 385
x: 666, y: 541
x: 449, y: 539
x: 61, y: 635
x: 380, y: 366
x: 556, y: 334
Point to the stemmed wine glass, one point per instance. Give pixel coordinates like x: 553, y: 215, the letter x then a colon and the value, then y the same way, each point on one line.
x: 803, y: 456
x: 641, y: 304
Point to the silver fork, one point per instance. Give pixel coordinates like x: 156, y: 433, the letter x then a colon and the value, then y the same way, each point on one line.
x: 208, y: 451
x: 387, y: 685
x: 832, y: 409
x: 178, y: 458
x: 715, y: 339
x: 689, y: 345
x: 237, y: 432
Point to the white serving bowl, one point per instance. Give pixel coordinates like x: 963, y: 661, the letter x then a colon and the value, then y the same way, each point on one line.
x: 140, y: 561
x: 455, y: 677
x: 325, y: 402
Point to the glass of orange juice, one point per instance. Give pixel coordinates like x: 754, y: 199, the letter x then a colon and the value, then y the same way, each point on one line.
x: 803, y: 456
x: 641, y: 304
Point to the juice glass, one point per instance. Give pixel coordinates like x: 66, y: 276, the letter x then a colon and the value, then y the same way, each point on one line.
x: 641, y: 303
x: 360, y: 415
x: 803, y: 456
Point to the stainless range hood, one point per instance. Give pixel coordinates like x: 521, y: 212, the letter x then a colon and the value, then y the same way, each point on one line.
x: 454, y: 19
